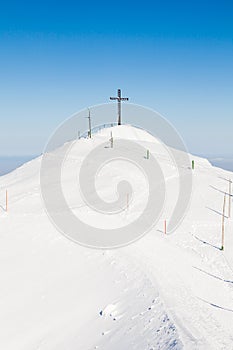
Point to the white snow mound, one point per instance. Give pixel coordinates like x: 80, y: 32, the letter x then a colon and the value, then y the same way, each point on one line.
x: 162, y: 292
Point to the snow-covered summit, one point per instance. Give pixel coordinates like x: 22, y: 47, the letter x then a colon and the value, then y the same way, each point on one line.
x: 162, y: 292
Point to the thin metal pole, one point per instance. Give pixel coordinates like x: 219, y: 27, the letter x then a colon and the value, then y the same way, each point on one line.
x: 89, y: 119
x: 223, y: 222
x: 6, y: 200
x: 229, y: 207
x: 127, y: 201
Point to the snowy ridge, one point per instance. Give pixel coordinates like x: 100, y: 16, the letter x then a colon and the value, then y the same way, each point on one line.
x: 162, y: 292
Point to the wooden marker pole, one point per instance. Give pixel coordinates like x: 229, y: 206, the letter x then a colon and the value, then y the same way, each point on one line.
x: 223, y: 222
x: 111, y: 140
x: 229, y: 208
x: 6, y: 201
x: 165, y: 227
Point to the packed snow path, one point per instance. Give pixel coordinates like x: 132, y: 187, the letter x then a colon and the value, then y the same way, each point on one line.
x: 162, y: 292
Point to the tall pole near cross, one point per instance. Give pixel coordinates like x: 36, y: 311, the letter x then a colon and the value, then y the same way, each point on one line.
x: 89, y: 122
x: 119, y: 99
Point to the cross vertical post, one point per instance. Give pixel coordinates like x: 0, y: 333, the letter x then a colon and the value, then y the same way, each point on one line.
x: 119, y: 99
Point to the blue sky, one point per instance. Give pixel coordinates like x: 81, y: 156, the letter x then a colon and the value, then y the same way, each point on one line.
x: 173, y: 56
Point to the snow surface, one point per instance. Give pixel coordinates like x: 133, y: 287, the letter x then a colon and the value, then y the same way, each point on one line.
x: 162, y: 292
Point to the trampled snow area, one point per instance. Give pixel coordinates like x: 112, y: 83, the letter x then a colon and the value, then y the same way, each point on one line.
x: 162, y: 292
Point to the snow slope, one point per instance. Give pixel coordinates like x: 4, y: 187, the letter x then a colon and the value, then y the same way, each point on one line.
x: 162, y: 292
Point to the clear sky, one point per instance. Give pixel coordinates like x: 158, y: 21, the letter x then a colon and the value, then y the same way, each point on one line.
x: 58, y: 57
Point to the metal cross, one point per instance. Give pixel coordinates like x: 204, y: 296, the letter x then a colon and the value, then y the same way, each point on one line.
x: 119, y: 99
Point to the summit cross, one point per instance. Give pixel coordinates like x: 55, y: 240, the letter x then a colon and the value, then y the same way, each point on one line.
x: 119, y: 99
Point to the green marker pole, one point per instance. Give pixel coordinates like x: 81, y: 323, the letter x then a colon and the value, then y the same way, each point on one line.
x: 147, y: 154
x: 193, y: 164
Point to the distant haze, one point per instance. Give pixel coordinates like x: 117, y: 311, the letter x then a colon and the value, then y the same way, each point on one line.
x: 222, y: 162
x: 8, y: 164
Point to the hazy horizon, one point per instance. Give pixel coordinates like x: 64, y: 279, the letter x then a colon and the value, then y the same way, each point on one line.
x: 10, y: 163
